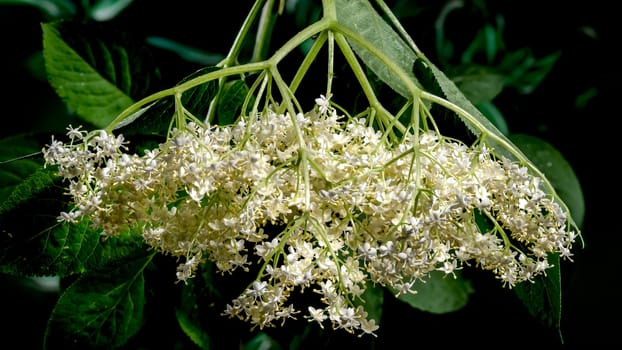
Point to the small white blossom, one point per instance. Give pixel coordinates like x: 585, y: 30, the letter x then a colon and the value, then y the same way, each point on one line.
x: 321, y: 202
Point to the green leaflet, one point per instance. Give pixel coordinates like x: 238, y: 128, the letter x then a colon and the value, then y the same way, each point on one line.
x: 231, y: 102
x: 31, y: 199
x: 359, y: 16
x: 97, y: 96
x: 125, y: 245
x: 67, y: 247
x: 21, y: 176
x: 101, y: 309
x: 543, y: 298
x: 20, y: 182
x: 26, y: 230
x: 30, y: 232
x: 25, y: 198
x: 453, y: 94
x: 191, y: 312
x: 372, y: 301
x: 478, y: 83
x: 439, y: 294
x: 77, y: 248
x: 495, y: 116
x: 525, y: 72
x: 59, y: 249
x: 193, y: 330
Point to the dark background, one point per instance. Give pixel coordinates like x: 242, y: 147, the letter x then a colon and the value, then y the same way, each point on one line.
x: 585, y: 133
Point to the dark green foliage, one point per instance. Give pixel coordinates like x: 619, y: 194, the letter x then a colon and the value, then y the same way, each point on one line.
x: 102, y: 309
x: 96, y: 75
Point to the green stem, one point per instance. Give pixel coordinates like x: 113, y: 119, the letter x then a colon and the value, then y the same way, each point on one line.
x: 232, y: 56
x: 506, y: 240
x: 234, y: 51
x: 329, y: 9
x: 137, y: 107
x: 360, y: 75
x: 398, y: 26
x: 299, y: 38
x: 308, y: 60
x: 331, y: 63
x: 412, y: 88
x: 303, y: 152
x: 270, y: 63
x: 181, y: 88
x: 280, y: 248
x: 263, y: 31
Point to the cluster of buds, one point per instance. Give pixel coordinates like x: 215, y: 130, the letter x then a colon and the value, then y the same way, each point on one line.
x: 317, y: 201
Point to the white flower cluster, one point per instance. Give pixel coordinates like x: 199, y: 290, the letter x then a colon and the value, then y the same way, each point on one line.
x: 318, y: 202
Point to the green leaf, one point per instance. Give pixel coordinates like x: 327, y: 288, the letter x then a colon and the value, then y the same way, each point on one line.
x: 101, y: 309
x: 231, y: 102
x: 439, y: 294
x: 360, y: 16
x: 495, y: 116
x: 126, y: 244
x: 372, y: 301
x: 446, y: 88
x: 197, y: 306
x: 189, y: 315
x: 479, y: 84
x: 26, y: 231
x: 58, y: 250
x: 487, y: 41
x: 193, y: 330
x: 543, y: 297
x: 93, y: 71
x: 198, y: 99
x: 18, y: 146
x: 67, y: 249
x: 21, y: 174
x: 20, y: 182
x: 524, y: 71
x: 31, y: 233
x: 557, y: 170
x: 77, y: 248
x: 78, y: 83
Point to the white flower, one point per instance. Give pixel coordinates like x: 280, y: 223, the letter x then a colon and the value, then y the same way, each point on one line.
x: 323, y: 103
x: 321, y: 202
x: 317, y: 315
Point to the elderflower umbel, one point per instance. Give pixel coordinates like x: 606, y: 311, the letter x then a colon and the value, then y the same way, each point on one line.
x: 341, y: 207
